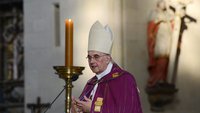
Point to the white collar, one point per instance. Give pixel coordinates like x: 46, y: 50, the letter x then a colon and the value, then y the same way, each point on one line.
x: 105, y: 72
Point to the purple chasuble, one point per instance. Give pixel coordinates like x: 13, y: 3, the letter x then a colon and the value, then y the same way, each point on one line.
x: 116, y: 93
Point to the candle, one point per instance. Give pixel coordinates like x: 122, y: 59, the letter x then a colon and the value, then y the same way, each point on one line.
x: 68, y: 42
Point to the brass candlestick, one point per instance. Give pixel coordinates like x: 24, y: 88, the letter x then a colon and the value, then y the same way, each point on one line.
x: 69, y: 74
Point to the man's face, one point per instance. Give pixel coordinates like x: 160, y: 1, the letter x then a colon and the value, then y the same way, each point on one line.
x: 98, y: 61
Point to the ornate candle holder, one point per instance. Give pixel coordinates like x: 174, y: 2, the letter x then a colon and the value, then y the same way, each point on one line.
x: 69, y: 74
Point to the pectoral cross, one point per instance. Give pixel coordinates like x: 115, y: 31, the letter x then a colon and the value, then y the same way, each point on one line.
x: 37, y: 108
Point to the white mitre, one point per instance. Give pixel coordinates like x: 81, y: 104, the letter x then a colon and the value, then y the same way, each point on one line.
x: 100, y: 38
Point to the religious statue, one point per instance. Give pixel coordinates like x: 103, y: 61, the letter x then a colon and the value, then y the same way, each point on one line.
x: 165, y: 29
x: 160, y: 28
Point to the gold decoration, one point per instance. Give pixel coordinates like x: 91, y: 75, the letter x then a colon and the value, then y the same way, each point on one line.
x: 98, y: 104
x: 114, y: 75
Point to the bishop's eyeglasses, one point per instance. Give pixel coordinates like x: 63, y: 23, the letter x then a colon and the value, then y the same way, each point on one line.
x: 96, y: 57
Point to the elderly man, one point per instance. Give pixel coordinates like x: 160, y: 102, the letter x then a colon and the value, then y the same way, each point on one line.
x: 112, y: 89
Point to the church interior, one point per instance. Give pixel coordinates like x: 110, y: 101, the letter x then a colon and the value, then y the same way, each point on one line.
x: 32, y: 42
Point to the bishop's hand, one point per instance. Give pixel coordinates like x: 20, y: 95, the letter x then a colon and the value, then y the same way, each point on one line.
x: 73, y: 106
x: 83, y: 106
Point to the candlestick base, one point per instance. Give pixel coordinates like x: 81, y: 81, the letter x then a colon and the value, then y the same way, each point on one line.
x: 69, y: 71
x: 69, y: 74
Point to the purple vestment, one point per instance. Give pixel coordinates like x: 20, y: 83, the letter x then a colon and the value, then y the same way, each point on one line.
x: 116, y: 93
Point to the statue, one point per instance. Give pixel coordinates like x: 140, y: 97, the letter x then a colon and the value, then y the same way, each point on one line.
x: 165, y: 30
x: 159, y: 42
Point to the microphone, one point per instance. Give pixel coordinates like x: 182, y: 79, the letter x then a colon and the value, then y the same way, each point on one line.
x: 55, y: 99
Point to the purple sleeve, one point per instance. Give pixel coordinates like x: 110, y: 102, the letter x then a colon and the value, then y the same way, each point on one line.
x: 122, y: 96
